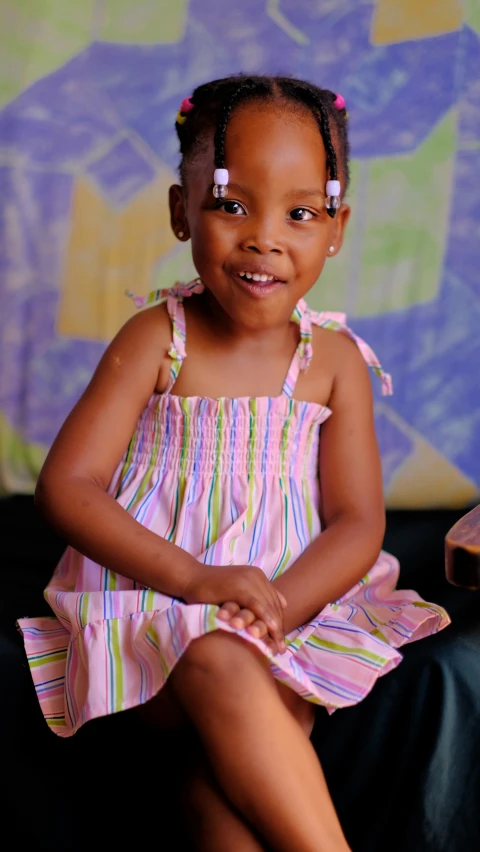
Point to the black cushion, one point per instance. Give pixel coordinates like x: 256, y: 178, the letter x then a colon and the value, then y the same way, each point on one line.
x: 402, y: 766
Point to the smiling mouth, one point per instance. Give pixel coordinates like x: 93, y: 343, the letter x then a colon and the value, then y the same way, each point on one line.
x: 258, y: 278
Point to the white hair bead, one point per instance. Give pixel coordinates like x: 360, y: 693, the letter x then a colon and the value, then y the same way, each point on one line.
x: 220, y: 176
x: 333, y: 187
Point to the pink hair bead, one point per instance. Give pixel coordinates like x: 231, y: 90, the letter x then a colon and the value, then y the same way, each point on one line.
x: 186, y: 106
x: 339, y: 102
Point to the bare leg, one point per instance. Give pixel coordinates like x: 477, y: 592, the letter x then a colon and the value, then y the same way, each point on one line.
x: 259, y: 753
x: 214, y: 825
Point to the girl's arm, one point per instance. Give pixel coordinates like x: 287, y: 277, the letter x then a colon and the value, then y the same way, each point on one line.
x: 71, y: 490
x: 352, y: 507
x: 72, y: 484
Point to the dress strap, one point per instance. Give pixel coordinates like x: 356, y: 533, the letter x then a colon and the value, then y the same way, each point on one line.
x: 303, y: 353
x: 337, y: 322
x: 174, y: 297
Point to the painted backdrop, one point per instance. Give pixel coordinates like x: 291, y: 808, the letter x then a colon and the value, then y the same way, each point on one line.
x: 88, y: 97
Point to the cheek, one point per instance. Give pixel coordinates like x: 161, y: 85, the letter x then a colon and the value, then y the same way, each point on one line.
x: 213, y: 237
x: 312, y: 250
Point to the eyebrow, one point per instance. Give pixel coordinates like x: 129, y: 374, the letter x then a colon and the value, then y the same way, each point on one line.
x: 305, y: 193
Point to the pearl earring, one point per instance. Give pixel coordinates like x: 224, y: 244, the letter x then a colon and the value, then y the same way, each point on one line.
x: 180, y: 235
x: 332, y: 248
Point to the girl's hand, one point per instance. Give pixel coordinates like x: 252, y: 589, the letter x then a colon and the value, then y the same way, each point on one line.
x: 249, y: 588
x: 242, y: 619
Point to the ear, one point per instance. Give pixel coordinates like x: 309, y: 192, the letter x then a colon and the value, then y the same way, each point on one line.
x: 178, y: 219
x: 339, y: 224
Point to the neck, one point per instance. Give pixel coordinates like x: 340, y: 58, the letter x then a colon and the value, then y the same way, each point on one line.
x: 236, y: 331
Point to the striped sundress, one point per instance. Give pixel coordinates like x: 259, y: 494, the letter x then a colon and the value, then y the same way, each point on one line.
x: 232, y: 481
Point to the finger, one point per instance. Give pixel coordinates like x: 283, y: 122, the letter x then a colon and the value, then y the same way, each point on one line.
x: 274, y: 622
x: 228, y: 610
x: 258, y: 629
x: 242, y: 619
x: 270, y: 644
x: 278, y: 601
x: 278, y: 634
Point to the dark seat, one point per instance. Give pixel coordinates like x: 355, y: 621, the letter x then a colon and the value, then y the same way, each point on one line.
x: 403, y: 766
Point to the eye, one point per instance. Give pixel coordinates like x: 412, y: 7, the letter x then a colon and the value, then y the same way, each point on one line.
x: 234, y: 208
x: 301, y: 214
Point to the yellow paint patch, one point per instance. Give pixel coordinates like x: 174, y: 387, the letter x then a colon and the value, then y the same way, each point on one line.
x: 406, y: 20
x: 110, y: 251
x: 426, y: 479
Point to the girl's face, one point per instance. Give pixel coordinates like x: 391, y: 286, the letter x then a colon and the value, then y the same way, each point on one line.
x: 273, y: 222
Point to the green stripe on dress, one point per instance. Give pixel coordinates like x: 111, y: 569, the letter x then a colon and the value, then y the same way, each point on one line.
x: 252, y: 438
x: 117, y: 662
x: 217, y: 486
x: 286, y: 555
x: 47, y: 658
x: 361, y: 653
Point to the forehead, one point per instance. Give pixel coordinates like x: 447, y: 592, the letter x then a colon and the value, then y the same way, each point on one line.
x: 268, y: 144
x: 280, y: 136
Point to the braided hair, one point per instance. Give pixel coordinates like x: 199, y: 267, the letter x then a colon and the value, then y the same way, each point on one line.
x: 214, y: 102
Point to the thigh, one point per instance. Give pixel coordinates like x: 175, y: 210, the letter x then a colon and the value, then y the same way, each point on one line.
x: 164, y: 712
x: 303, y: 711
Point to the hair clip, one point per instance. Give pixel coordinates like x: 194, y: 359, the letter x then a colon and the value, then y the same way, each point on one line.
x: 220, y: 180
x: 185, y: 107
x: 333, y: 201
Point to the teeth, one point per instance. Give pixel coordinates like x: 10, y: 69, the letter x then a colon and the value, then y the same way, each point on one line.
x: 255, y: 276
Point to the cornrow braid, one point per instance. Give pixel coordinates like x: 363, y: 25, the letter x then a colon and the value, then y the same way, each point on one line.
x: 247, y: 89
x: 214, y: 103
x: 315, y: 99
x: 324, y: 124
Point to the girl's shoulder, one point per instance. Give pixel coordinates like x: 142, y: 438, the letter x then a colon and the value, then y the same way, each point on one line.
x: 345, y: 346
x: 143, y: 343
x: 149, y: 325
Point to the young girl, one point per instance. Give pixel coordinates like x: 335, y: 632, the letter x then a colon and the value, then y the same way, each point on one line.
x: 219, y: 575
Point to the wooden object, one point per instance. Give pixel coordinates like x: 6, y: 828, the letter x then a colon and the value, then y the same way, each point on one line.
x: 462, y: 551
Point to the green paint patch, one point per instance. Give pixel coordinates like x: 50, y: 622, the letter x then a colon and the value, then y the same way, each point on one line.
x: 330, y: 292
x: 407, y: 207
x: 177, y: 265
x: 143, y: 22
x: 38, y: 38
x: 20, y: 461
x: 395, y: 241
x: 472, y: 14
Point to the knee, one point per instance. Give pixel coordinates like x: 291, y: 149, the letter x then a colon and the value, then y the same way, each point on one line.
x: 218, y: 655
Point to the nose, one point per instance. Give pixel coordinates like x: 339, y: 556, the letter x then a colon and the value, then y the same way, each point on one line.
x: 262, y: 238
